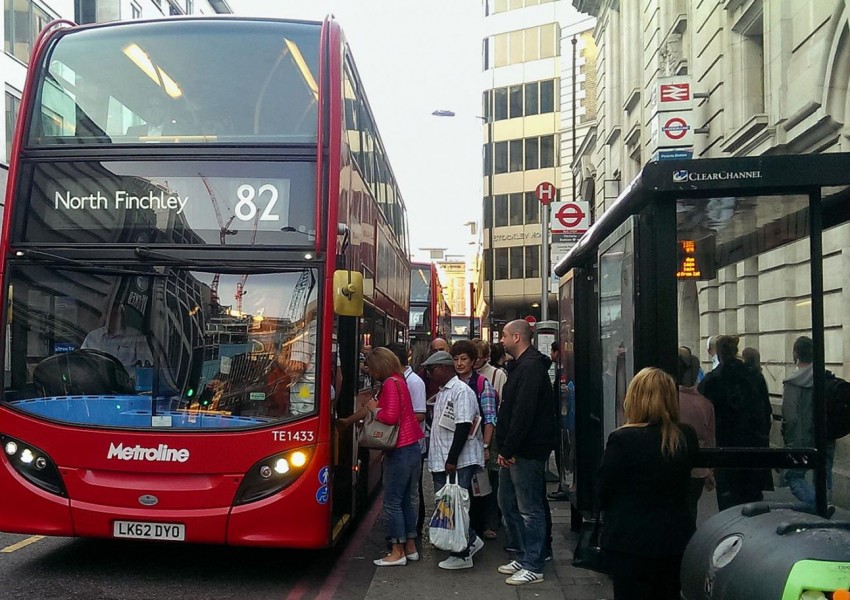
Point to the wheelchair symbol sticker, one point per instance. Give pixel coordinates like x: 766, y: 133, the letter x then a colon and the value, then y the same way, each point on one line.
x: 323, y: 475
x: 322, y: 495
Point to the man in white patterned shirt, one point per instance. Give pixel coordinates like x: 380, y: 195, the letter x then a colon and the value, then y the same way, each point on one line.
x: 453, y: 451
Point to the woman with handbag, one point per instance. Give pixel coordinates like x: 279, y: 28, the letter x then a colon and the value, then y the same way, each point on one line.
x: 642, y: 490
x: 402, y: 463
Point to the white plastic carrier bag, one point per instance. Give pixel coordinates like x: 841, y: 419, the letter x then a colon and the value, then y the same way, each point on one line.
x: 450, y: 522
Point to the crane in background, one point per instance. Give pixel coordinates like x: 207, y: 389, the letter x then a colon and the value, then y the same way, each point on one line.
x: 224, y: 230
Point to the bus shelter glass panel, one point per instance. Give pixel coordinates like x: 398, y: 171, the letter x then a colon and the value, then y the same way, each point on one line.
x: 97, y: 348
x: 162, y: 82
x: 616, y: 264
x: 567, y: 384
x: 745, y: 326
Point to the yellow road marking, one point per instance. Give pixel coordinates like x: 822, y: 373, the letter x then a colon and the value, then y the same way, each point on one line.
x: 22, y: 543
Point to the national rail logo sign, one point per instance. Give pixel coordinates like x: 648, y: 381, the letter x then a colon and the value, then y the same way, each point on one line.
x: 673, y: 93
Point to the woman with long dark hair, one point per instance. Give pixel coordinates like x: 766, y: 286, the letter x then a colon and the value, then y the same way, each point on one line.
x: 643, y: 490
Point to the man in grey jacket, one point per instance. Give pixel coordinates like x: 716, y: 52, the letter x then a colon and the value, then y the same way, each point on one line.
x: 798, y: 420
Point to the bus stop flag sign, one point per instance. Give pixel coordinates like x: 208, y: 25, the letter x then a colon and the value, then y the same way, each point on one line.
x: 570, y: 217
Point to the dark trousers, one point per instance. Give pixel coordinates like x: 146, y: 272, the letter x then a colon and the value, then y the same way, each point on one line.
x: 644, y: 577
x: 420, y: 516
x: 738, y: 486
x: 484, y: 510
x: 694, y: 493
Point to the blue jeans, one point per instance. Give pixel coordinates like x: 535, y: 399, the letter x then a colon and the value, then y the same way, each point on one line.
x: 464, y: 480
x: 800, y: 486
x: 401, y: 476
x: 522, y: 503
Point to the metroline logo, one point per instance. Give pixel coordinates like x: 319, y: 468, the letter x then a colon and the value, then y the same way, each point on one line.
x: 161, y: 453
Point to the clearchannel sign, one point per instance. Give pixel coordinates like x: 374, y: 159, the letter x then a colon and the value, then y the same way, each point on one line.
x: 683, y: 175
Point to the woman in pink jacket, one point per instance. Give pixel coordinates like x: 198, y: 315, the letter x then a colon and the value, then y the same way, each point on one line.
x: 401, y: 464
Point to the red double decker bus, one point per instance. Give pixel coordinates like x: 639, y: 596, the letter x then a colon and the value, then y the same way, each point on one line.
x: 197, y: 210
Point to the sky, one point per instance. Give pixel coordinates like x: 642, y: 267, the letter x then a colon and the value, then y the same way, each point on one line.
x: 415, y: 57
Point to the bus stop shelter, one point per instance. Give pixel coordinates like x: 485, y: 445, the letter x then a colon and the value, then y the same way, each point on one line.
x: 696, y: 248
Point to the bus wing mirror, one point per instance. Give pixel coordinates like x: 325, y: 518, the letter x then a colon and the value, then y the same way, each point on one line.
x: 348, y: 293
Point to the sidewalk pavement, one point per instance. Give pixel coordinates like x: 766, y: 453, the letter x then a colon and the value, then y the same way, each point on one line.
x: 424, y: 579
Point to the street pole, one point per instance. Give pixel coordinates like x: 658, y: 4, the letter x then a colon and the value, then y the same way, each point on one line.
x: 491, y: 198
x: 544, y: 261
x: 471, y: 310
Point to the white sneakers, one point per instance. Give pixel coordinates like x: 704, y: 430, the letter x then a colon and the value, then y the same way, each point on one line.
x: 455, y: 562
x: 510, y: 568
x: 524, y: 576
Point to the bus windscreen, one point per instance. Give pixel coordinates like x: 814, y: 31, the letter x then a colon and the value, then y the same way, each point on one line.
x: 169, y: 350
x: 247, y: 82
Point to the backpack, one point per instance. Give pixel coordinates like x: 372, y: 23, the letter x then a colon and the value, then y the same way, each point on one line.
x: 837, y: 400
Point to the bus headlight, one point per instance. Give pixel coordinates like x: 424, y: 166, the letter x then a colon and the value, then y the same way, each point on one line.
x: 273, y: 474
x: 33, y: 465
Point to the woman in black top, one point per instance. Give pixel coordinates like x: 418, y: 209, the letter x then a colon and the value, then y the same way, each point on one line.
x: 643, y: 490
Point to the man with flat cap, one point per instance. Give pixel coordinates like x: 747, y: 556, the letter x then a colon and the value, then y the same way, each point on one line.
x: 456, y: 449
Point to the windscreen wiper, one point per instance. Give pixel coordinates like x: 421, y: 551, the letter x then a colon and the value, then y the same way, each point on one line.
x: 144, y: 253
x: 82, y: 265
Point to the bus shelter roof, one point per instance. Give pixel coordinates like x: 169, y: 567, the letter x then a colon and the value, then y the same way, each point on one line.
x: 730, y: 181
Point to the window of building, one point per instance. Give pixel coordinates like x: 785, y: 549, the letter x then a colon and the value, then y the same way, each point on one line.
x: 190, y: 7
x: 516, y: 101
x: 500, y: 50
x: 135, y: 11
x: 532, y: 209
x: 501, y: 209
x: 547, y: 151
x: 501, y: 158
x: 532, y: 153
x: 549, y: 35
x: 13, y: 105
x: 174, y: 10
x: 532, y: 262
x: 485, y: 104
x: 23, y: 20
x: 515, y: 156
x: 501, y: 263
x: 523, y: 45
x: 515, y: 260
x: 497, y: 6
x: 532, y: 44
x: 488, y: 159
x: 517, y: 209
x: 488, y: 212
x: 532, y: 106
x: 516, y: 50
x: 500, y: 108
x: 547, y: 96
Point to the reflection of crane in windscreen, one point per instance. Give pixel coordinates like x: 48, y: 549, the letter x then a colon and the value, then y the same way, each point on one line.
x: 223, y: 233
x: 300, y: 295
x: 240, y: 287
